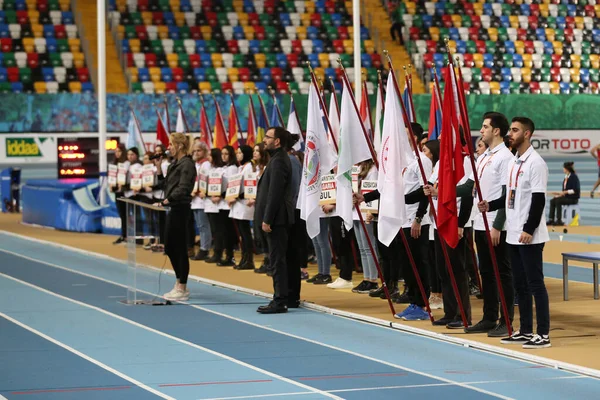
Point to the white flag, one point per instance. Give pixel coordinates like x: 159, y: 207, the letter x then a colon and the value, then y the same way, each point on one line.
x: 134, y: 136
x: 318, y: 161
x: 292, y: 125
x: 334, y: 120
x: 378, y: 120
x: 180, y: 128
x: 353, y: 148
x: 395, y: 155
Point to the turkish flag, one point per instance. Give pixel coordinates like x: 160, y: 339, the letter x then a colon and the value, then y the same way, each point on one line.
x: 451, y: 168
x: 162, y: 135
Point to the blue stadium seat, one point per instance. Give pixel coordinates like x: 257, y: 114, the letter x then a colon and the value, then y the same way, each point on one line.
x: 200, y: 46
x: 48, y: 74
x: 3, y: 73
x: 183, y: 87
x: 518, y: 60
x: 143, y: 74
x: 318, y: 46
x: 17, y: 87
x: 199, y: 74
x: 312, y: 32
x: 565, y: 88
x: 314, y: 59
x: 87, y: 87
x: 505, y: 87
x: 4, y: 32
x: 167, y: 74
x: 48, y: 31
x: 51, y: 45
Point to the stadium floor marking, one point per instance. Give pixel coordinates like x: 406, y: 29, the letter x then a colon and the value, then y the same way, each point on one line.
x: 80, y: 354
x: 234, y: 360
x: 448, y: 382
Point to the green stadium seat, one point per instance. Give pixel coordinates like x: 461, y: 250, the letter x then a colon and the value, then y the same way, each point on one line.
x: 25, y: 74
x: 130, y: 32
x: 165, y: 5
x: 184, y: 60
x: 184, y: 32
x: 9, y: 59
x: 55, y: 60
x: 11, y: 16
x: 271, y: 60
x: 594, y: 75
x: 546, y: 61
x: 515, y: 87
x: 178, y: 46
x: 5, y: 87
x: 62, y: 45
x: 508, y: 60
x: 136, y: 18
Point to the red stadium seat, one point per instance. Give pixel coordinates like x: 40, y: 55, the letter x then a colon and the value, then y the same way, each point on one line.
x: 150, y: 59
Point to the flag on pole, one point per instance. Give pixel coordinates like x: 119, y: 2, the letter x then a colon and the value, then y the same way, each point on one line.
x: 274, y: 116
x: 251, y: 136
x: 233, y: 128
x: 378, y: 119
x: 205, y: 130
x: 220, y: 137
x: 180, y: 126
x: 162, y: 134
x: 293, y: 126
x: 134, y: 135
x: 395, y: 155
x: 435, y: 114
x: 334, y: 120
x: 408, y: 103
x: 262, y: 122
x: 365, y: 113
x: 451, y: 164
x: 319, y: 160
x: 353, y: 148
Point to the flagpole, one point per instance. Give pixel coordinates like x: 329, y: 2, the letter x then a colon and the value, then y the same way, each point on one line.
x: 488, y: 235
x: 262, y: 108
x: 296, y: 113
x: 237, y: 119
x: 366, y: 94
x: 253, y: 118
x: 424, y: 177
x: 137, y: 123
x: 167, y: 112
x: 220, y: 116
x: 436, y: 86
x: 334, y: 94
x: 410, y: 92
x: 374, y: 157
x: 185, y: 124
x: 279, y: 116
x: 201, y: 96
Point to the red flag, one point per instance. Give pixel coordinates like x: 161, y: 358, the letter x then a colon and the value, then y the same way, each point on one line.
x: 251, y: 137
x: 451, y: 168
x: 233, y: 129
x: 220, y: 136
x: 161, y: 131
x: 205, y: 128
x: 365, y: 110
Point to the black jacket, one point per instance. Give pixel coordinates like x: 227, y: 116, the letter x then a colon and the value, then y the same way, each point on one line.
x: 274, y: 197
x: 572, y: 183
x: 179, y: 182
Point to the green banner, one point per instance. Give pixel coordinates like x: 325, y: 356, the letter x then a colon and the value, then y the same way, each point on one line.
x: 66, y: 112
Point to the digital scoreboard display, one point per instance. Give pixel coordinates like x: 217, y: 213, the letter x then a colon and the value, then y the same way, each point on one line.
x: 78, y: 156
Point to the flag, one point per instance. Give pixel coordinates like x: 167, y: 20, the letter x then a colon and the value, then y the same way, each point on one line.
x: 251, y: 136
x: 353, y: 148
x: 205, y: 128
x: 395, y: 155
x: 334, y: 120
x: 408, y: 103
x: 134, y: 136
x: 220, y: 139
x: 162, y: 134
x: 274, y: 116
x: 378, y: 119
x: 233, y: 138
x: 293, y: 126
x: 318, y: 160
x: 180, y: 126
x: 262, y: 122
x: 451, y: 164
x: 365, y: 113
x: 435, y: 114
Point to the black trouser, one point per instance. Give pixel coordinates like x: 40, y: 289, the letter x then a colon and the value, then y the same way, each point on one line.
x: 557, y: 203
x: 489, y: 284
x: 224, y: 236
x: 191, y: 227
x: 277, y: 240
x: 457, y: 261
x: 342, y: 243
x: 122, y: 210
x: 159, y: 221
x: 396, y: 29
x: 296, y: 256
x: 434, y: 279
x: 176, y: 240
x: 243, y: 228
x: 419, y: 249
x: 470, y: 260
x: 528, y: 275
x: 390, y: 260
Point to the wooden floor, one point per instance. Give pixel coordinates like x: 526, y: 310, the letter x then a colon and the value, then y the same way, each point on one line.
x: 574, y: 324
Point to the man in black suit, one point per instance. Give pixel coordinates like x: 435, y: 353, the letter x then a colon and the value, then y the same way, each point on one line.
x: 274, y: 212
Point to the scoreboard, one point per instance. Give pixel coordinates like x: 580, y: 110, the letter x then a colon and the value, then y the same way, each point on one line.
x: 78, y: 156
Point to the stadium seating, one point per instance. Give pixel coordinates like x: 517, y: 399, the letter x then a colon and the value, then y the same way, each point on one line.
x: 547, y: 46
x: 41, y: 50
x: 194, y: 45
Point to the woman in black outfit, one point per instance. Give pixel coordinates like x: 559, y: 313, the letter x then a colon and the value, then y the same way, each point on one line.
x: 179, y: 184
x: 568, y: 196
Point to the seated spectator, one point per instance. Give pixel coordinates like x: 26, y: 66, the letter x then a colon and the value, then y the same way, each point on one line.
x: 569, y: 195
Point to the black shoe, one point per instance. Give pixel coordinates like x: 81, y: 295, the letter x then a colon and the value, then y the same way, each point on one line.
x: 457, y: 324
x: 403, y: 298
x: 312, y: 280
x: 323, y: 279
x: 248, y: 265
x: 474, y: 289
x: 228, y: 262
x: 482, y: 326
x: 377, y: 292
x: 215, y: 258
x: 550, y: 222
x: 272, y: 308
x: 559, y: 223
x: 261, y: 270
x: 394, y: 294
x: 201, y: 255
x: 119, y: 240
x: 499, y: 331
x: 538, y: 342
x: 360, y: 287
x: 312, y: 260
x: 293, y: 304
x: 517, y: 338
x: 443, y: 321
x: 270, y: 272
x: 369, y: 287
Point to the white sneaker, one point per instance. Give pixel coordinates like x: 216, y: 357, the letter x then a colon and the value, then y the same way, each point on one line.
x: 435, y: 302
x: 178, y: 295
x: 340, y: 283
x: 171, y: 293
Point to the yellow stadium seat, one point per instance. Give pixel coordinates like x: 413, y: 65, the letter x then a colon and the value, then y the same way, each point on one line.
x: 493, y: 32
x: 495, y: 87
x: 163, y: 32
x: 595, y: 60
x: 457, y: 21
x: 576, y: 60
x: 434, y: 31
x: 160, y: 87
x: 204, y: 87
x: 29, y: 45
x: 121, y: 32
x: 575, y: 76
x: 478, y: 8
x: 301, y: 32
x: 579, y: 24
x: 249, y: 32
x: 554, y: 87
x: 233, y: 74
x: 544, y: 10
x: 597, y: 9
x: 78, y: 60
x: 74, y: 45
x: 147, y: 17
x: 179, y: 18
x: 310, y: 7
x: 217, y: 60
x: 75, y: 87
x: 527, y: 61
x: 243, y: 18
x: 173, y: 60
x: 40, y: 87
x: 154, y: 74
x: 133, y: 74
x: 526, y: 75
x: 65, y: 5
x: 37, y: 30
x: 34, y: 16
x: 478, y: 60
x: 369, y: 46
x: 514, y: 21
x: 550, y: 34
x: 249, y: 87
x: 134, y: 45
x: 324, y: 60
